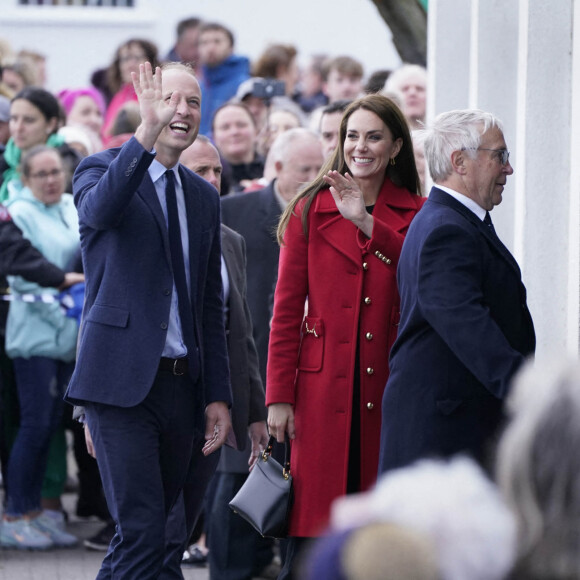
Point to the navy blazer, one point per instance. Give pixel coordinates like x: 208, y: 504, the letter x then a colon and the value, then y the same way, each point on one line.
x: 129, y: 280
x: 465, y: 329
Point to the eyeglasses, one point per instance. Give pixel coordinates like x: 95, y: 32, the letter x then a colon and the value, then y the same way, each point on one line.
x: 46, y: 174
x: 503, y: 154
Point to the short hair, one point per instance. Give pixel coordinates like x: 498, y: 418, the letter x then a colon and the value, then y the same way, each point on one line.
x: 538, y: 467
x: 376, y: 82
x: 205, y: 140
x: 400, y: 75
x: 279, y: 149
x: 274, y: 57
x: 186, y: 24
x: 216, y: 26
x: 182, y: 66
x: 345, y: 65
x: 43, y: 100
x: 336, y: 107
x: 454, y: 131
x: 27, y: 158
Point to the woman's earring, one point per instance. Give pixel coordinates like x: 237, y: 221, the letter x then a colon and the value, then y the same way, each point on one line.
x: 392, y: 161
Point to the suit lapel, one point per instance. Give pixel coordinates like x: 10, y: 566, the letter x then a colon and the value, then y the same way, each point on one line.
x: 148, y: 194
x: 440, y: 196
x: 192, y: 207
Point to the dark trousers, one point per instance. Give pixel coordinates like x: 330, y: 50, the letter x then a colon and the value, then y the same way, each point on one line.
x: 41, y: 383
x: 187, y: 509
x: 236, y: 550
x: 143, y: 454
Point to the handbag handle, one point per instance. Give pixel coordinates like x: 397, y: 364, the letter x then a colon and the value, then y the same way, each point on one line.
x: 268, y: 452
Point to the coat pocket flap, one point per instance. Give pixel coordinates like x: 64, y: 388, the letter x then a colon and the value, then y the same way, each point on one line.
x: 108, y: 315
x: 312, y: 344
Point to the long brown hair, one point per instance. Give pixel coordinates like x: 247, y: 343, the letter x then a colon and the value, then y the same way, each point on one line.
x: 403, y: 173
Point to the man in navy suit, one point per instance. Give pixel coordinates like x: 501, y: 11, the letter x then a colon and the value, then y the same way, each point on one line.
x: 465, y: 326
x: 152, y: 367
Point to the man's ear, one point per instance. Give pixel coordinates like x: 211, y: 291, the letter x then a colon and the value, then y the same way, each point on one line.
x: 278, y: 166
x: 458, y: 159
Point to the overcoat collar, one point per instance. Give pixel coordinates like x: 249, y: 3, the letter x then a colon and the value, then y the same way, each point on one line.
x: 439, y: 196
x: 390, y: 207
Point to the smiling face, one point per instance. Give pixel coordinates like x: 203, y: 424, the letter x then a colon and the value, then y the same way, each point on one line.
x: 46, y: 177
x: 86, y: 112
x: 182, y: 130
x: 485, y: 176
x: 28, y: 126
x: 235, y: 134
x: 368, y: 147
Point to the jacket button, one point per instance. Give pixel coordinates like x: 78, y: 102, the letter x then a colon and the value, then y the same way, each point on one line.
x: 164, y: 326
x: 370, y: 406
x: 167, y: 292
x: 370, y: 371
x: 369, y: 335
x: 388, y: 261
x: 365, y: 266
x: 367, y: 301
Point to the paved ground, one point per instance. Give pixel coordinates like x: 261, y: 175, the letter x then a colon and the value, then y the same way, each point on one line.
x: 73, y: 564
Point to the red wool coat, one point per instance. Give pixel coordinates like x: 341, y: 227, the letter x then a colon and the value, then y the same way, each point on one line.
x: 350, y: 283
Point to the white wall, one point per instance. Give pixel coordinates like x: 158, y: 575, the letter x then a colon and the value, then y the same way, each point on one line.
x: 78, y: 40
x: 524, y: 65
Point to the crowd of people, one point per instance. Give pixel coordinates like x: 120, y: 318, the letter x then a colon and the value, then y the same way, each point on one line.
x: 255, y: 254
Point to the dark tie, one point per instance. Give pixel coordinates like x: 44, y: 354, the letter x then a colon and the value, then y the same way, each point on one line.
x: 178, y: 265
x: 487, y: 221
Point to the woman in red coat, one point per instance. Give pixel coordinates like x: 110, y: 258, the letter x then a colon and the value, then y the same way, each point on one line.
x: 340, y: 238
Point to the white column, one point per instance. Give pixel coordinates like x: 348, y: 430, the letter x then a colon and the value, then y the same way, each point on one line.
x: 543, y: 195
x: 448, y: 55
x: 493, y: 74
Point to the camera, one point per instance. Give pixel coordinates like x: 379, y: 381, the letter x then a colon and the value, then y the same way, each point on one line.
x: 268, y: 88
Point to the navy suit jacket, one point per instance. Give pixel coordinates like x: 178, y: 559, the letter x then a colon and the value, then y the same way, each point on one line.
x: 255, y: 216
x: 465, y: 329
x: 129, y: 280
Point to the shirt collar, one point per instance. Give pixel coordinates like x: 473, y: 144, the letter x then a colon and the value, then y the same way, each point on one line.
x: 464, y: 200
x: 157, y: 169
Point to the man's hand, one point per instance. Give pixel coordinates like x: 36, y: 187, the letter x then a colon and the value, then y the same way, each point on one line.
x: 156, y: 112
x: 89, y: 441
x: 259, y: 437
x: 217, y: 426
x: 70, y: 279
x: 280, y: 420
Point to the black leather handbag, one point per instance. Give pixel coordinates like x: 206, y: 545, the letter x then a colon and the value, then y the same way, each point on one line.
x: 266, y: 497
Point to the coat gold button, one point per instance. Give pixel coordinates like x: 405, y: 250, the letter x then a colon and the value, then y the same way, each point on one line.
x: 369, y: 335
x: 365, y: 266
x: 367, y: 300
x: 388, y: 261
x: 370, y: 370
x: 370, y: 406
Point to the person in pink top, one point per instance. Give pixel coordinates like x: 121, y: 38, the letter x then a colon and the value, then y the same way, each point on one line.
x: 127, y: 60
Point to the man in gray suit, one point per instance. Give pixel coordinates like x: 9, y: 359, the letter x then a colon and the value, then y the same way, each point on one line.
x: 232, y: 542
